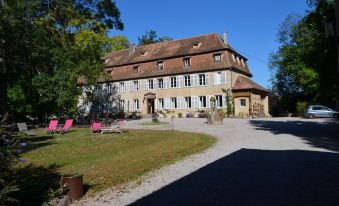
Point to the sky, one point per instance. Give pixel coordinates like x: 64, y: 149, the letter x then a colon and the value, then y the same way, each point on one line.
x: 251, y: 26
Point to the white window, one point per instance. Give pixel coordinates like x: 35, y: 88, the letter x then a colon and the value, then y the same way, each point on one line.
x: 121, y: 104
x: 242, y: 102
x: 217, y: 78
x: 136, y: 86
x: 202, y: 102
x: 122, y: 87
x: 161, y: 103
x: 217, y: 58
x: 188, y: 81
x: 188, y: 102
x: 160, y: 65
x: 218, y: 100
x: 150, y: 84
x: 187, y: 62
x: 161, y: 83
x: 174, y: 103
x: 109, y: 88
x: 173, y: 82
x: 202, y: 79
x: 136, y: 104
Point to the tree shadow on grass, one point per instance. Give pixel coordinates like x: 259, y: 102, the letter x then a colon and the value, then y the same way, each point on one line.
x: 37, y: 142
x: 257, y: 177
x: 318, y: 134
x: 35, y: 183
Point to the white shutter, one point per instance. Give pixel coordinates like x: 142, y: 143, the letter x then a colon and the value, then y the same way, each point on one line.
x: 165, y: 82
x: 140, y: 104
x: 180, y: 102
x: 208, y: 101
x: 179, y: 81
x: 167, y: 103
x: 223, y: 77
x: 215, y: 78
x: 155, y: 84
x: 146, y: 84
x: 126, y: 86
x: 194, y: 100
x: 224, y: 101
x: 131, y: 86
x: 155, y: 104
x: 130, y: 102
x: 207, y: 79
x: 125, y: 105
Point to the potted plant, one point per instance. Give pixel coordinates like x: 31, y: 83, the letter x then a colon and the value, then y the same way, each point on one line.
x: 72, y: 185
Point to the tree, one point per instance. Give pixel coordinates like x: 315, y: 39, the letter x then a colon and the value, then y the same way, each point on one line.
x: 150, y: 37
x: 119, y: 43
x: 304, y: 66
x: 45, y: 46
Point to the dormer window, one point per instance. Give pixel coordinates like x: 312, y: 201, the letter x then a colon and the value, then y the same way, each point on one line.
x: 143, y: 53
x: 217, y: 58
x: 187, y: 62
x: 233, y: 57
x: 160, y: 65
x: 196, y: 44
x: 136, y: 69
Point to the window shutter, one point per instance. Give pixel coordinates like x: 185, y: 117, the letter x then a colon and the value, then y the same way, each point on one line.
x: 131, y: 85
x: 208, y: 101
x: 165, y: 82
x: 131, y: 105
x: 194, y: 100
x: 215, y: 77
x: 223, y: 78
x: 207, y: 79
x: 155, y: 104
x: 179, y: 81
x: 180, y: 102
x: 224, y: 101
x: 146, y: 84
x: 125, y: 105
x: 126, y: 86
x: 140, y: 104
x: 195, y: 80
x: 155, y: 84
x: 167, y: 103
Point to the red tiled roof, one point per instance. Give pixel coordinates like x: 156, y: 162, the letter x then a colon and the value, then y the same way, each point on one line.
x: 244, y: 83
x: 163, y: 50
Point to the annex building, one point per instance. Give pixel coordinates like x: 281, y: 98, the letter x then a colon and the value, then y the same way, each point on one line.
x: 179, y: 76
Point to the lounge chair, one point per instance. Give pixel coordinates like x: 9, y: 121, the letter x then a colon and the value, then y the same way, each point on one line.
x: 52, y: 127
x: 114, y: 128
x: 96, y: 127
x: 23, y: 128
x: 67, y: 126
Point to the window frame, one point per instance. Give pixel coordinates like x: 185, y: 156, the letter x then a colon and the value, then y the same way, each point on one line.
x: 243, y: 101
x: 189, y: 81
x: 136, y: 69
x: 187, y: 62
x: 162, y: 83
x: 175, y: 103
x: 200, y: 81
x: 161, y: 65
x: 136, y: 85
x: 204, y: 105
x: 219, y: 103
x: 173, y: 84
x: 214, y: 57
x: 189, y: 105
x: 150, y: 83
x: 161, y: 101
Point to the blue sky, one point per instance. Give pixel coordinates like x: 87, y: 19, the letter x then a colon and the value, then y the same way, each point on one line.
x: 251, y: 25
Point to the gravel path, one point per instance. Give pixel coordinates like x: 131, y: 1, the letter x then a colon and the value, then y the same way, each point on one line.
x: 235, y: 134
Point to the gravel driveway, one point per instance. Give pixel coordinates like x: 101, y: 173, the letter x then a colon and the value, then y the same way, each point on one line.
x: 281, y: 161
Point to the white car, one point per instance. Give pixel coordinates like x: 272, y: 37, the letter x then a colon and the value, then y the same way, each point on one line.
x: 313, y: 111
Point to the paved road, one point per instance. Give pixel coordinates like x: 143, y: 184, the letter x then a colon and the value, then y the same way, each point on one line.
x: 280, y: 161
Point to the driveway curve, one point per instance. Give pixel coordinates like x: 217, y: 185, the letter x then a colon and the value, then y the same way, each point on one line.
x: 247, y: 148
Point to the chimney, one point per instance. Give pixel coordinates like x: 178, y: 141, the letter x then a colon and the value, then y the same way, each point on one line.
x: 131, y: 48
x: 225, y: 38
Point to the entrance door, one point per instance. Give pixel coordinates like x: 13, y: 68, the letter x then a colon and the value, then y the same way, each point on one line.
x: 150, y: 106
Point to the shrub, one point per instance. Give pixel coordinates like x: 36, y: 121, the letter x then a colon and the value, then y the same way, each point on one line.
x: 155, y: 118
x: 180, y: 115
x: 300, y: 106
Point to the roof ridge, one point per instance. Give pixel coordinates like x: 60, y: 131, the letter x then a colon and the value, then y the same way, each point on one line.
x: 165, y: 42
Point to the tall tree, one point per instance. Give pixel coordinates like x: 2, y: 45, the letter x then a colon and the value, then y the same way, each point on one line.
x: 45, y: 45
x: 151, y: 37
x: 119, y: 43
x: 304, y: 66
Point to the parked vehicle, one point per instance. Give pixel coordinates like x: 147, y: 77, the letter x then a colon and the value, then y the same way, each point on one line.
x: 314, y: 111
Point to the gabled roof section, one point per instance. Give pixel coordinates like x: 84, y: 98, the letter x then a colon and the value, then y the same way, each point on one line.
x: 244, y: 83
x: 168, y: 49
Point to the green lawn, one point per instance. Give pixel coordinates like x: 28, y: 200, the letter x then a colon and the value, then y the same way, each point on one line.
x: 111, y: 159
